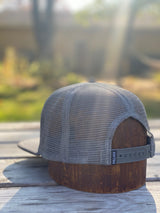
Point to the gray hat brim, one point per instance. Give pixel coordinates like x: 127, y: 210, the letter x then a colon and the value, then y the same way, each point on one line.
x: 30, y: 146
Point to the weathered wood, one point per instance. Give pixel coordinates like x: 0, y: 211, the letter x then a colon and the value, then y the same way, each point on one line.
x: 10, y: 126
x: 154, y: 123
x: 11, y: 151
x: 24, y: 172
x: 156, y: 133
x: 9, y: 140
x: 61, y: 199
x: 34, y: 171
x: 18, y: 135
x: 107, y: 179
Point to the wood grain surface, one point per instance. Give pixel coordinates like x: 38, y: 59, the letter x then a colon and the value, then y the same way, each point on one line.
x: 59, y: 199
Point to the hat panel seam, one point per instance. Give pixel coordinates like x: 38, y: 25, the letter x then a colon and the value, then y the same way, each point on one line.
x: 115, y: 91
x: 43, y: 134
x: 108, y: 141
x: 131, y: 113
x: 66, y: 121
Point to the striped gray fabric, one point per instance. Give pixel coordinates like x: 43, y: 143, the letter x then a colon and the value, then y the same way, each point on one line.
x: 78, y: 122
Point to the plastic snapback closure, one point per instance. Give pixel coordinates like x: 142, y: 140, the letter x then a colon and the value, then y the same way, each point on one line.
x: 134, y: 154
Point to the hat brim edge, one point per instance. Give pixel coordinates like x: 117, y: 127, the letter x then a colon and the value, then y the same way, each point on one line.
x: 31, y: 146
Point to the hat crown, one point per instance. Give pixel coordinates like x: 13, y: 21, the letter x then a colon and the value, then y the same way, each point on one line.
x: 78, y: 122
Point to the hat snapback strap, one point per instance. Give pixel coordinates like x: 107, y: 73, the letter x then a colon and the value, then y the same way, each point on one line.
x: 133, y: 154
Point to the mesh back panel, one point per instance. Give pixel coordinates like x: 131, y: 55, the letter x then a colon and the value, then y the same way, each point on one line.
x: 135, y: 105
x: 78, y: 122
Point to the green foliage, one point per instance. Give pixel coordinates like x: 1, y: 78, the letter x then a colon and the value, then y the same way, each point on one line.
x: 156, y: 77
x: 16, y: 71
x: 72, y: 78
x: 25, y: 86
x: 26, y: 105
x: 152, y: 108
x: 50, y: 73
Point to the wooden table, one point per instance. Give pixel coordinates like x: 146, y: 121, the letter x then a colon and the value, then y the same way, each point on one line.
x: 25, y: 185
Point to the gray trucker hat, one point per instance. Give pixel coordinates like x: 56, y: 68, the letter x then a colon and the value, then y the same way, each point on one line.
x: 78, y: 123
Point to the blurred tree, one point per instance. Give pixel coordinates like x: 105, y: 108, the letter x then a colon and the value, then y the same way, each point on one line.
x: 121, y: 15
x: 135, y: 7
x: 98, y: 10
x: 43, y: 27
x: 102, y: 10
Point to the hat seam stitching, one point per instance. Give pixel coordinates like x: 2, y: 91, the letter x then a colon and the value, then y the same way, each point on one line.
x: 66, y: 124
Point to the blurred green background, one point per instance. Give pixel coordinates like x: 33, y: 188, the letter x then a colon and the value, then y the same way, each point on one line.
x: 45, y: 45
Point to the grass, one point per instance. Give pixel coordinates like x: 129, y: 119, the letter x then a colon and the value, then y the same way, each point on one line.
x: 152, y: 108
x: 22, y: 105
x: 25, y: 86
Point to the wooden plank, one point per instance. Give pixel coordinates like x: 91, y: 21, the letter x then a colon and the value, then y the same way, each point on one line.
x: 9, y: 140
x: 34, y: 171
x: 24, y: 172
x: 18, y: 135
x: 11, y: 151
x: 154, y: 123
x: 62, y: 199
x: 153, y: 168
x: 156, y: 133
x: 10, y: 126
